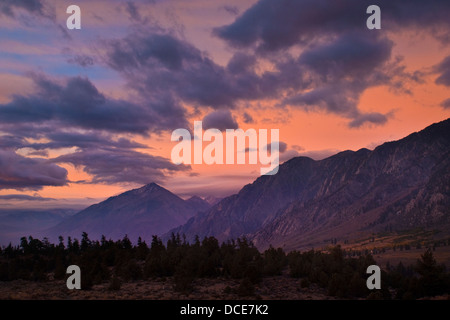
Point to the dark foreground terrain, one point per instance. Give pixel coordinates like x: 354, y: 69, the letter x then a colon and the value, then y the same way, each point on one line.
x: 233, y: 270
x: 270, y: 288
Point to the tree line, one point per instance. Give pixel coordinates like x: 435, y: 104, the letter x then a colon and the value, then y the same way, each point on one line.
x: 338, y: 271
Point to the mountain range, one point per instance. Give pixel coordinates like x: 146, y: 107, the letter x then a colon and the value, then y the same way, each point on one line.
x: 144, y: 212
x: 399, y: 185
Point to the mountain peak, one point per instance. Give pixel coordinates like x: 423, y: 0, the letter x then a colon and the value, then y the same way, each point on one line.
x: 149, y: 188
x: 145, y: 211
x: 152, y: 185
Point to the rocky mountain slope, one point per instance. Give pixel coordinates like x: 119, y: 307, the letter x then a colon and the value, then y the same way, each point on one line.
x: 399, y: 185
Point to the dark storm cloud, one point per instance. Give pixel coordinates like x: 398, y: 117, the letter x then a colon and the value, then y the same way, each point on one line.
x: 155, y: 62
x: 18, y: 172
x: 119, y: 166
x: 443, y: 68
x: 78, y: 103
x: 330, y: 76
x: 220, y: 119
x: 274, y: 25
x: 351, y: 55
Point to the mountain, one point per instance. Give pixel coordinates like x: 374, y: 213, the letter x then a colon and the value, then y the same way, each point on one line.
x: 17, y: 223
x: 399, y: 185
x: 198, y: 203
x: 147, y: 211
x: 212, y: 200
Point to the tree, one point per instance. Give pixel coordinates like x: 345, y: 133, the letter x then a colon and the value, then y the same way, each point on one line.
x: 85, y: 242
x: 433, y: 279
x: 61, y: 243
x: 24, y: 245
x: 142, y: 249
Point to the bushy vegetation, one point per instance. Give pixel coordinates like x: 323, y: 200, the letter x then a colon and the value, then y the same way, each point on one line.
x: 340, y: 273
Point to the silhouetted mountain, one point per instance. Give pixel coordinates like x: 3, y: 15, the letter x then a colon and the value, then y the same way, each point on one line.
x: 150, y: 210
x: 399, y: 185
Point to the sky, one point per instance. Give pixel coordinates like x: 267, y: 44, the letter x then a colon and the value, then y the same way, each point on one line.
x: 87, y: 114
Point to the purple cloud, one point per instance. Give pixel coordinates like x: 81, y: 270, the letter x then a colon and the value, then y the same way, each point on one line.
x: 7, y: 7
x: 21, y: 197
x: 77, y: 103
x: 234, y: 10
x: 443, y: 68
x: 121, y: 166
x: 445, y: 104
x: 82, y: 60
x: 220, y: 119
x: 276, y: 25
x: 18, y: 172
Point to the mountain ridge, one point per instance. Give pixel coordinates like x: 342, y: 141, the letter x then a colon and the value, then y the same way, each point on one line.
x: 348, y: 193
x: 141, y: 212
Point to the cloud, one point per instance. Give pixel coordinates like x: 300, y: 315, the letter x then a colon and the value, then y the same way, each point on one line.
x: 121, y: 166
x: 352, y: 54
x: 240, y: 63
x: 8, y: 7
x: 156, y: 64
x: 444, y: 69
x: 92, y: 139
x: 21, y: 197
x: 233, y: 10
x: 374, y: 118
x: 446, y: 104
x: 10, y: 141
x: 220, y: 119
x: 275, y: 25
x: 297, y: 147
x: 18, y: 172
x: 248, y: 118
x: 329, y: 76
x: 282, y: 147
x: 82, y: 60
x: 39, y: 153
x: 133, y: 11
x: 341, y: 70
x: 77, y: 103
x: 72, y: 113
